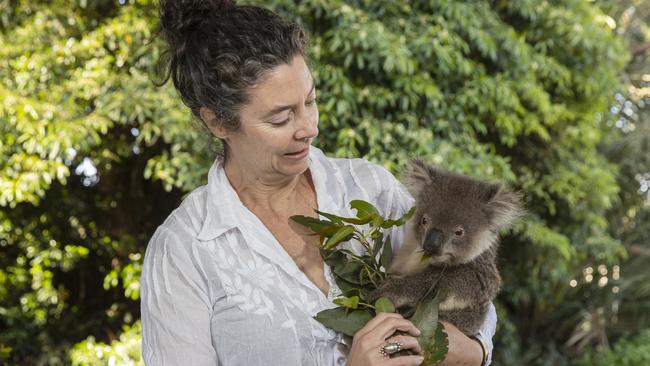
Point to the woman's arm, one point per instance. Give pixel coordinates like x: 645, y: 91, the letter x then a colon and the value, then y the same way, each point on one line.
x: 464, y: 350
x: 175, y: 306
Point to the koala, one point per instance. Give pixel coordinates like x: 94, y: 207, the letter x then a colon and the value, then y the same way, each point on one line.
x: 452, y: 238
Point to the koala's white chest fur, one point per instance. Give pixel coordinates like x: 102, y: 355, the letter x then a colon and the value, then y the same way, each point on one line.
x: 453, y: 302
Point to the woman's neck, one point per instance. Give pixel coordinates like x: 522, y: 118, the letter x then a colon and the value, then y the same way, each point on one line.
x: 275, y: 194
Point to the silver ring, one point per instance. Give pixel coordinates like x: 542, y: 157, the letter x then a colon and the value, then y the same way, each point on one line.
x: 389, y: 348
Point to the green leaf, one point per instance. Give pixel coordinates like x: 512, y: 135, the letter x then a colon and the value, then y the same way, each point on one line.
x: 321, y: 227
x: 340, y: 219
x: 364, y: 276
x: 433, y: 339
x: 347, y: 302
x: 348, y: 270
x: 384, y: 305
x: 344, y: 233
x: 333, y: 258
x: 339, y: 263
x: 354, y: 221
x: 378, y: 243
x: 331, y: 217
x: 439, y: 346
x: 344, y: 321
x: 348, y: 288
x: 399, y: 222
x: 377, y: 221
x: 364, y: 209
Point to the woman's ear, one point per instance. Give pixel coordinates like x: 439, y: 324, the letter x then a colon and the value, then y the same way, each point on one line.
x: 212, y: 122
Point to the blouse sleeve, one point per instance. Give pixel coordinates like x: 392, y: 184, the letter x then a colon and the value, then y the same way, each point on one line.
x: 487, y: 331
x: 396, y: 201
x: 175, y: 305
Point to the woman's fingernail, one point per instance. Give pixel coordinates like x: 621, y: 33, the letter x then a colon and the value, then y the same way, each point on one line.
x: 419, y: 359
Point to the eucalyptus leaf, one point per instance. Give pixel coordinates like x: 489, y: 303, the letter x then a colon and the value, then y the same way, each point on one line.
x: 333, y: 258
x: 399, y: 222
x: 344, y: 321
x: 331, y: 217
x: 378, y: 243
x: 321, y: 227
x: 384, y: 305
x: 349, y: 287
x: 356, y: 221
x: 343, y: 233
x: 341, y: 219
x: 377, y: 221
x: 439, y: 348
x: 364, y: 209
x: 348, y: 270
x: 347, y: 302
x: 425, y: 257
x: 364, y: 278
x: 433, y: 340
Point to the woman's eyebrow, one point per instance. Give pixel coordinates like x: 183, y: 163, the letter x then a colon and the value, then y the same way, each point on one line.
x: 280, y: 108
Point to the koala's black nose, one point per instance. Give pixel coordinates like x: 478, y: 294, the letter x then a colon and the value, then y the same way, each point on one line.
x: 433, y: 242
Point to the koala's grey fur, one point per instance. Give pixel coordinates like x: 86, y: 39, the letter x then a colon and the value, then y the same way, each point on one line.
x: 456, y: 223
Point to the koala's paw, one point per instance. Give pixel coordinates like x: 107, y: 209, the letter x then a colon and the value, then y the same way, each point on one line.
x: 398, y: 293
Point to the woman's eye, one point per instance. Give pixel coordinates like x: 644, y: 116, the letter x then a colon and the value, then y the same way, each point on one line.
x: 282, y: 122
x: 310, y: 103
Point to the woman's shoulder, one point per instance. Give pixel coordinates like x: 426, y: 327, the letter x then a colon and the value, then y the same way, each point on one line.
x: 185, y: 222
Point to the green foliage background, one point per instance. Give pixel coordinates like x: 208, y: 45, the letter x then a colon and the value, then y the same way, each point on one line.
x: 547, y: 96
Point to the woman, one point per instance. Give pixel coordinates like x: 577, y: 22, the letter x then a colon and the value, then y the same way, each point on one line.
x: 228, y: 278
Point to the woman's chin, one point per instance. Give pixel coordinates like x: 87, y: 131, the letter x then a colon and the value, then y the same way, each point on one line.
x: 293, y: 168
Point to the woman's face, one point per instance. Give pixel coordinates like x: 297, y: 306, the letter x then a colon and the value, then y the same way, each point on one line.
x: 277, y: 124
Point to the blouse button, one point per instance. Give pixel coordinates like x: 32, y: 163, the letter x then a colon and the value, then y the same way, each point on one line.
x: 341, y: 360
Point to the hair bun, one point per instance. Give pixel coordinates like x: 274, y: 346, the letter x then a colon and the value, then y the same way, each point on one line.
x: 181, y: 16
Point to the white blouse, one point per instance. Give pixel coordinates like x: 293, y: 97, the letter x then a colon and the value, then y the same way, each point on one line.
x: 218, y: 289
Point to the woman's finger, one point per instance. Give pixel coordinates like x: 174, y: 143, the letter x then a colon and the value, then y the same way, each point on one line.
x: 374, y: 322
x: 407, y: 342
x: 388, y: 327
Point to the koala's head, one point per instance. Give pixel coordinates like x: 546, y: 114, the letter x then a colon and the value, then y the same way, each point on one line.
x: 457, y: 217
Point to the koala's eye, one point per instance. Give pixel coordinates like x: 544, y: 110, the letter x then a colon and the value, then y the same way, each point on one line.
x: 424, y: 220
x: 459, y: 231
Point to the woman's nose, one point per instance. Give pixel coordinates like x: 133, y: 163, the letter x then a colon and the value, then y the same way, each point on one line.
x: 308, y: 128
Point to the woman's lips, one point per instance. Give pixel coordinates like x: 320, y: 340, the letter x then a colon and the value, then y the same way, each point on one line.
x: 298, y: 154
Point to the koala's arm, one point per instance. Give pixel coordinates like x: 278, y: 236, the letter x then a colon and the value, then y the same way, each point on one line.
x: 406, y: 291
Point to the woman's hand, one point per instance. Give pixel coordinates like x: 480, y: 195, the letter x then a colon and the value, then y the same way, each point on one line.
x: 463, y: 351
x: 369, y: 339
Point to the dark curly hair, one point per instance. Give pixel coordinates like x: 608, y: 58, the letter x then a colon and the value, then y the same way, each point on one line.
x: 218, y: 49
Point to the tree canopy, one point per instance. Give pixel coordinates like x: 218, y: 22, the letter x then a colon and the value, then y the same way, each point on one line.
x: 94, y: 156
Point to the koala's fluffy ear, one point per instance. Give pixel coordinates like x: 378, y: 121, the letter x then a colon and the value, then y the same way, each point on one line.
x: 418, y: 174
x: 502, y: 206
